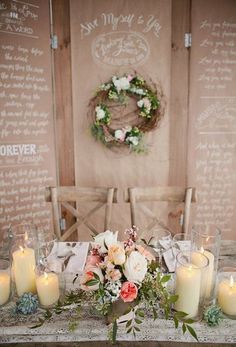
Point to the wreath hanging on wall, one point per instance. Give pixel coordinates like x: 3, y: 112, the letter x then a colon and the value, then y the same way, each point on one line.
x: 127, y: 128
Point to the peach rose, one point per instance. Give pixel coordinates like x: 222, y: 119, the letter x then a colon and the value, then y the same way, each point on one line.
x: 129, y: 292
x: 116, y: 253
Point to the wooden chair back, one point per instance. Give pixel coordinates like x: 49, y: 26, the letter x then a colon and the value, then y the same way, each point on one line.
x: 138, y: 196
x: 70, y: 198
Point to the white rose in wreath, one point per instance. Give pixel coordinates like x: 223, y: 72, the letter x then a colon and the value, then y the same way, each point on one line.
x: 135, y: 267
x: 121, y: 83
x: 104, y: 240
x: 120, y: 135
x: 100, y: 113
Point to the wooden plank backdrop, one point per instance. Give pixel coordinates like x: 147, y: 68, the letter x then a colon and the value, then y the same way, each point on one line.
x: 95, y: 165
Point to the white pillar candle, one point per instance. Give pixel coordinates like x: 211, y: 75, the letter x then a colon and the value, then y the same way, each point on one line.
x: 24, y: 270
x: 48, y: 288
x: 227, y: 296
x: 188, y: 288
x: 4, y: 287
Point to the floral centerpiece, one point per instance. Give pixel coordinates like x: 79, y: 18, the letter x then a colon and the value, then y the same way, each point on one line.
x: 123, y: 274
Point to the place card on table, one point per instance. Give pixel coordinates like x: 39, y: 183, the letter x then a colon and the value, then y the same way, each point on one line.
x: 170, y: 254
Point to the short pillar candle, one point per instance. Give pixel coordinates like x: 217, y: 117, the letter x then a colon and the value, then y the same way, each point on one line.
x: 48, y: 288
x: 226, y: 293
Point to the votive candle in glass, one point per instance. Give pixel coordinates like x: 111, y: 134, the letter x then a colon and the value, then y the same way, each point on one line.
x: 189, y: 285
x: 226, y: 291
x: 5, y: 281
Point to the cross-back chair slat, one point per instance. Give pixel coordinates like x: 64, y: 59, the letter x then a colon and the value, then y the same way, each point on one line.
x: 137, y: 197
x: 64, y: 196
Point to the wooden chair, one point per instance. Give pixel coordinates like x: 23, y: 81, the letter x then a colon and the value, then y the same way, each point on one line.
x: 62, y: 197
x: 138, y: 196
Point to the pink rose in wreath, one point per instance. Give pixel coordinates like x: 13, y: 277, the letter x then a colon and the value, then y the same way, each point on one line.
x: 129, y: 292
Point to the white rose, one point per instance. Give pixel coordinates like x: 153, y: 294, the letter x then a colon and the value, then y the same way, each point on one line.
x: 116, y: 254
x: 133, y: 140
x: 124, y: 83
x: 121, y: 83
x: 100, y: 113
x: 104, y: 240
x: 135, y: 267
x: 120, y: 135
x: 140, y: 103
x: 147, y: 103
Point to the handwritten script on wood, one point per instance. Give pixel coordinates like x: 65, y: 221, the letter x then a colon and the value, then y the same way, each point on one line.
x: 213, y: 114
x: 27, y: 163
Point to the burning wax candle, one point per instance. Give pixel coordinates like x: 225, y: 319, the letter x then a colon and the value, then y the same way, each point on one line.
x: 24, y: 270
x: 227, y: 296
x: 4, y: 287
x: 48, y: 288
x: 188, y: 288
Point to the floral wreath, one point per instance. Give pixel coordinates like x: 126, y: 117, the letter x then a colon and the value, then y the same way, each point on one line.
x: 117, y: 91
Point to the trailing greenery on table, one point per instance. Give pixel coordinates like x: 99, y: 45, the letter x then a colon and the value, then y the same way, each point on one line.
x: 117, y: 92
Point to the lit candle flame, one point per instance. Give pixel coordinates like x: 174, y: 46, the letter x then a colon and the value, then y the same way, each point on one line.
x: 26, y: 236
x: 22, y: 249
x: 45, y: 276
x: 231, y: 281
x: 207, y: 239
x: 202, y: 250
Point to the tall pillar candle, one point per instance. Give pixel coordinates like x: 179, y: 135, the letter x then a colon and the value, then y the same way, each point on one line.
x: 188, y: 289
x: 24, y: 270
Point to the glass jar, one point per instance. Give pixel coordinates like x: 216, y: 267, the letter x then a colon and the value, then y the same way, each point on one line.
x: 50, y: 286
x: 160, y: 242
x: 207, y: 240
x: 5, y: 281
x: 226, y: 291
x: 24, y: 252
x: 190, y: 283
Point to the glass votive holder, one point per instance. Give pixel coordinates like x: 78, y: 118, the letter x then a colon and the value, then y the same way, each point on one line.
x: 190, y: 281
x: 5, y: 282
x: 206, y: 239
x: 50, y: 286
x: 160, y: 242
x: 226, y: 291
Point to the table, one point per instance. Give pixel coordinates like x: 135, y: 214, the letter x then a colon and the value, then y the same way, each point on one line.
x: 93, y: 328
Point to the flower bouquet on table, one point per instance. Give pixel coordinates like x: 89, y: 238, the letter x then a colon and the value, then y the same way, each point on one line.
x: 123, y: 282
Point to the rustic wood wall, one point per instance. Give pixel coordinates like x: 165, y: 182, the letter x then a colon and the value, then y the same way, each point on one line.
x: 180, y: 128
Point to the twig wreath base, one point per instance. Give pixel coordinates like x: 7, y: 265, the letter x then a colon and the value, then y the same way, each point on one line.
x: 149, y: 109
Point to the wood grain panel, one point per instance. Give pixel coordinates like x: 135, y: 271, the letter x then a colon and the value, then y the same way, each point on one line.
x: 63, y: 93
x: 179, y: 92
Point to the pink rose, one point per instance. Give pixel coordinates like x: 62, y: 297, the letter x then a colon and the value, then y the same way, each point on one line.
x: 93, y: 260
x: 129, y: 292
x: 89, y: 275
